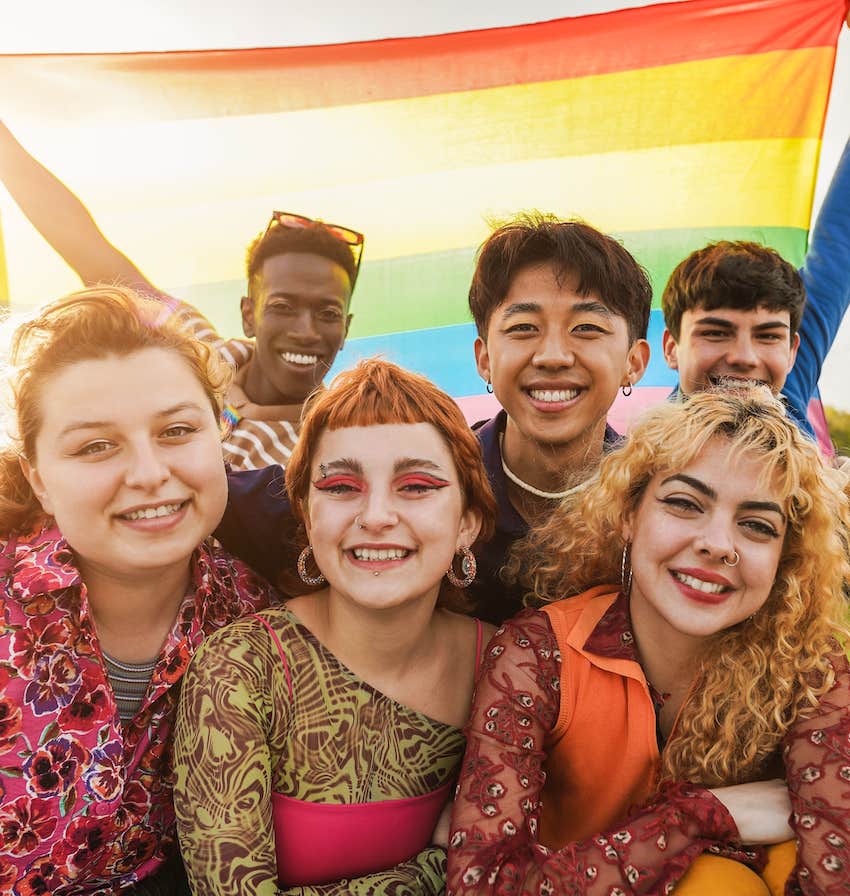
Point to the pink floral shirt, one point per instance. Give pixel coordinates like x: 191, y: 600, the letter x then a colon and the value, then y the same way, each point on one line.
x: 494, y: 848
x: 86, y: 803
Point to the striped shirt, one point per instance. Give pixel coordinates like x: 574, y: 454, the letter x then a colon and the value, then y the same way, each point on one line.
x: 255, y: 435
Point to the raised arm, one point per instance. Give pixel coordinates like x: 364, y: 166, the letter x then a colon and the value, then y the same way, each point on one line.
x: 494, y: 847
x: 64, y: 222
x: 817, y: 763
x: 826, y: 275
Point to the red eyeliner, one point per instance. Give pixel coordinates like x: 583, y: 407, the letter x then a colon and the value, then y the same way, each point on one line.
x: 334, y: 481
x: 422, y: 479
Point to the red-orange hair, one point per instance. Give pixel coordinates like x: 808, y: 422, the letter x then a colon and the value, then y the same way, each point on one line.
x: 377, y: 392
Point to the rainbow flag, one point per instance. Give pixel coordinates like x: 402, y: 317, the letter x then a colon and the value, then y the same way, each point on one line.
x: 668, y: 125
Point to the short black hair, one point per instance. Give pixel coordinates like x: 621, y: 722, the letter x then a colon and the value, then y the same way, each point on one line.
x: 311, y: 239
x: 740, y: 275
x: 603, y: 266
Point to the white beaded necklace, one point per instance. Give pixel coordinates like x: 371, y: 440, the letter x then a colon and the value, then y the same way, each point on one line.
x: 532, y: 490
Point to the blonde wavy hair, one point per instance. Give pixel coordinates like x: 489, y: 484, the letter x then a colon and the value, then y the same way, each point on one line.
x: 757, y: 677
x: 85, y: 325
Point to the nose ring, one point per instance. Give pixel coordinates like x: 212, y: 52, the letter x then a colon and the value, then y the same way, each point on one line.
x: 360, y: 525
x: 735, y: 561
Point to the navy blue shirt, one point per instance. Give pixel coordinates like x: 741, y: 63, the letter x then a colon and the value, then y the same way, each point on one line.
x: 494, y: 600
x: 258, y: 527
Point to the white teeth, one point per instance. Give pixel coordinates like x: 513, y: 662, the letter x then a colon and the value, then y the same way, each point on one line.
x: 150, y: 513
x: 553, y: 394
x: 698, y: 584
x: 306, y: 360
x: 380, y: 554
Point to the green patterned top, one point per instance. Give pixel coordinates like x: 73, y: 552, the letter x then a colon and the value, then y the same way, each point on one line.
x: 240, y: 736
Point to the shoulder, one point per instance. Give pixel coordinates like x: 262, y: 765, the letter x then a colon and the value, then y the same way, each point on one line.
x: 219, y: 573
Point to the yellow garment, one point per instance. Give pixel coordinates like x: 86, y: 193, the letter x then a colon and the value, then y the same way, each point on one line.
x: 713, y: 876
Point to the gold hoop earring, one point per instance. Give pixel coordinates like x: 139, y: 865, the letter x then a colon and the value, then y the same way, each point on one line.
x: 306, y: 578
x: 468, y: 567
x: 625, y: 563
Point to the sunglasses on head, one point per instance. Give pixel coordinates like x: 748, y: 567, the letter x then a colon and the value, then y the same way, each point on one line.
x: 352, y: 238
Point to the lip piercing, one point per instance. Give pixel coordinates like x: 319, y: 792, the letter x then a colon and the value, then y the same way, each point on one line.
x: 735, y: 561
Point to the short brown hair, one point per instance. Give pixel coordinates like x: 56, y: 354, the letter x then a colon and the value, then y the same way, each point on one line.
x: 740, y: 275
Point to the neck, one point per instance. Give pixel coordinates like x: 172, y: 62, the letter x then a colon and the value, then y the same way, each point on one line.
x: 134, y: 615
x: 669, y: 659
x: 552, y: 468
x: 260, y: 391
x: 380, y: 645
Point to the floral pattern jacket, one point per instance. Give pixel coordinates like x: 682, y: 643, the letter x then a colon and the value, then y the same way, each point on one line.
x: 86, y: 803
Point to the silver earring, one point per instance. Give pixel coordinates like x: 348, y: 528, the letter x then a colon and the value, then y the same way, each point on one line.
x: 489, y: 387
x: 735, y: 562
x: 468, y: 567
x: 626, y: 390
x: 626, y: 578
x: 306, y: 578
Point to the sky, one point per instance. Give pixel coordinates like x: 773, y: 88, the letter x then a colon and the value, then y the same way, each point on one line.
x: 56, y: 26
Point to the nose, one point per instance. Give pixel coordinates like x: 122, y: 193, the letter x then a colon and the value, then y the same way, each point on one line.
x: 742, y: 353
x: 554, y: 351
x: 379, y: 512
x: 146, y: 466
x: 716, y: 540
x: 302, y: 328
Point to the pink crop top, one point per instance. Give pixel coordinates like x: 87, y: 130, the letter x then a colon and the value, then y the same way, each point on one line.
x: 318, y: 843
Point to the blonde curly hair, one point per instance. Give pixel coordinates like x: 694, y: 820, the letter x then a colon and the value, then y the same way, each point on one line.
x: 759, y: 676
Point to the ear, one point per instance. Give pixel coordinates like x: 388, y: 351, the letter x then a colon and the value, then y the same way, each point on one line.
x: 482, y: 359
x: 671, y: 350
x: 627, y: 526
x: 637, y: 360
x: 247, y: 306
x: 348, y: 320
x: 37, y: 485
x: 795, y: 345
x: 470, y: 526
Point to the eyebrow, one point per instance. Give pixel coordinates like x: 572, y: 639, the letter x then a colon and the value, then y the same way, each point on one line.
x: 698, y: 484
x: 709, y: 492
x: 594, y: 306
x: 100, y: 424
x: 725, y: 322
x: 409, y: 463
x: 521, y: 308
x: 298, y: 297
x: 405, y: 463
x: 344, y: 463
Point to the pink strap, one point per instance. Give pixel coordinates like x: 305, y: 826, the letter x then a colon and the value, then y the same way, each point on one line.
x: 283, y: 657
x: 478, y: 639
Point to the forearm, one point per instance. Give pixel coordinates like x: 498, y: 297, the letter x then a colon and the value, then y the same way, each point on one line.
x: 647, y: 853
x: 62, y: 219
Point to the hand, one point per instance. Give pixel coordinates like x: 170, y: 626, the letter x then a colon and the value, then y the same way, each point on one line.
x: 440, y: 837
x: 761, y: 810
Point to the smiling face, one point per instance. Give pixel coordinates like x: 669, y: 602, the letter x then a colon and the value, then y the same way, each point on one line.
x: 386, y: 499
x: 128, y: 461
x: 687, y: 524
x: 556, y: 358
x: 724, y: 344
x: 298, y: 314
